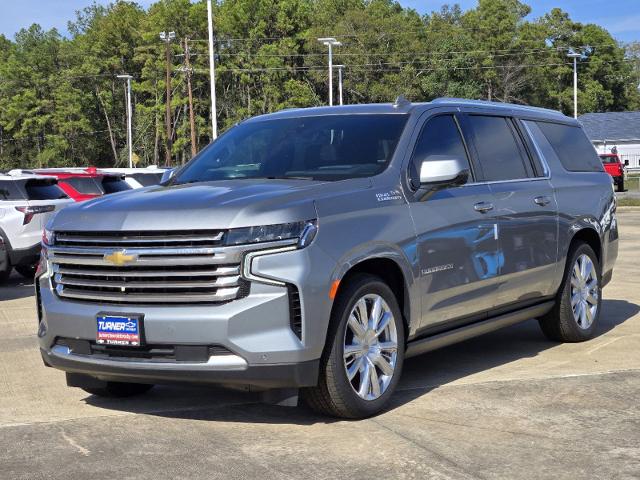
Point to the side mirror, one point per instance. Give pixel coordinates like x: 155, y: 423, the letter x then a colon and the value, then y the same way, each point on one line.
x: 626, y: 163
x: 167, y: 175
x: 439, y: 171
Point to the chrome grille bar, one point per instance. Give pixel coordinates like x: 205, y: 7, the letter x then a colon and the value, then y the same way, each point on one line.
x: 149, y: 267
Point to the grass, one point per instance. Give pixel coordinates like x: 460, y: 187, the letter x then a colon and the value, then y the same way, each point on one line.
x: 629, y: 202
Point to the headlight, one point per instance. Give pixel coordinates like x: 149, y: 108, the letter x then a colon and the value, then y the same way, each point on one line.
x: 304, y: 232
x: 48, y: 237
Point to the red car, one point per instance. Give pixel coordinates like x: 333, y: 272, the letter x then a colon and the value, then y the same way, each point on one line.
x: 615, y: 168
x: 86, y: 184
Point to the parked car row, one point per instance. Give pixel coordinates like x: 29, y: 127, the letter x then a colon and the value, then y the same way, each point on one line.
x: 29, y: 197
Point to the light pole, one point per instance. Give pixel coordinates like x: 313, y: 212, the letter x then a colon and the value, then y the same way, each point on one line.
x: 575, y: 56
x: 340, y: 67
x: 167, y: 37
x: 212, y: 72
x: 129, y: 119
x: 330, y: 42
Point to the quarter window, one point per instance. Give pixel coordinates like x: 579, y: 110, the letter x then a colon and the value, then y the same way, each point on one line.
x: 439, y: 136
x: 572, y: 147
x: 499, y: 148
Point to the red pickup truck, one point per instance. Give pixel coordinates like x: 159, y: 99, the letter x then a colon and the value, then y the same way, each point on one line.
x: 615, y: 168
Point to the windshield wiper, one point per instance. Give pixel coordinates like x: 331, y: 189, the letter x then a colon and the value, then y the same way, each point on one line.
x: 285, y: 177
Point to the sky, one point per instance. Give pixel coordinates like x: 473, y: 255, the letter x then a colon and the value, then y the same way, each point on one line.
x: 620, y: 17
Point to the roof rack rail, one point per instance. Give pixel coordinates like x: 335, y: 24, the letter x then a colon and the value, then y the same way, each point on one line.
x: 468, y: 101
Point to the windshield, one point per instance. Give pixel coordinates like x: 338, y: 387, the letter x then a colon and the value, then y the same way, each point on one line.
x: 84, y: 185
x: 47, y: 190
x: 330, y: 147
x: 608, y: 159
x: 114, y: 185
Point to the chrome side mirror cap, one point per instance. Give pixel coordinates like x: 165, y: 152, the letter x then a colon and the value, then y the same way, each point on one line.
x: 443, y: 171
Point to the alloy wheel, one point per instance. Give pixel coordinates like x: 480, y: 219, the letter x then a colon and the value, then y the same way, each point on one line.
x: 584, y: 291
x: 370, y: 347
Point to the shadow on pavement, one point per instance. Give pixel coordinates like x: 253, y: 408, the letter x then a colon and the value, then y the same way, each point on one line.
x: 16, y: 287
x: 421, y: 374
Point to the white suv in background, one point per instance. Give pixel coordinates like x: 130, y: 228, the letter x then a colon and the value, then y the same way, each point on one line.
x: 26, y: 203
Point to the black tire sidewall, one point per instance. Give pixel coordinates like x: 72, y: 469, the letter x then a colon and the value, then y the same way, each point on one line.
x: 566, y: 310
x: 361, y: 286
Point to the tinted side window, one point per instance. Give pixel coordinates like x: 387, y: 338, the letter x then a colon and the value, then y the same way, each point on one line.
x: 500, y: 150
x: 572, y: 147
x: 439, y: 136
x: 9, y: 191
x: 37, y: 190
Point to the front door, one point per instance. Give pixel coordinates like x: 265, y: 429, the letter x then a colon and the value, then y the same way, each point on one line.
x: 456, y: 235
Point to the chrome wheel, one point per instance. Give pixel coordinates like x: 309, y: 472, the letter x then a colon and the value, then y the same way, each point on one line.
x: 584, y: 291
x: 370, y: 347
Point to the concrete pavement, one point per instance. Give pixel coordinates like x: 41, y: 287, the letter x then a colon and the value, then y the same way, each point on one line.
x: 507, y: 405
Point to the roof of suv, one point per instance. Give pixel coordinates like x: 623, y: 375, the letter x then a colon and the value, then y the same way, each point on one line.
x: 17, y: 175
x: 402, y: 106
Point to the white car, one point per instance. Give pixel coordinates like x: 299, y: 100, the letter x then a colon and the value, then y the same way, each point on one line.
x: 139, y: 177
x: 26, y: 203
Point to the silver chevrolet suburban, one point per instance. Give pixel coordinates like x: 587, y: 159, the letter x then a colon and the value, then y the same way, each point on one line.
x: 315, y: 249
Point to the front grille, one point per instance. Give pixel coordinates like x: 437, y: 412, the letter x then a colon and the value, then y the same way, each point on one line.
x: 156, y: 239
x: 150, y: 267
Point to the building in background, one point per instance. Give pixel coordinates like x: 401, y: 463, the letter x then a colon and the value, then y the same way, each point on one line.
x: 615, y: 132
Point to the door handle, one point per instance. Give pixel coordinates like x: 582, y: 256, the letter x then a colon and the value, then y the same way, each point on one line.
x: 483, y: 207
x: 542, y: 200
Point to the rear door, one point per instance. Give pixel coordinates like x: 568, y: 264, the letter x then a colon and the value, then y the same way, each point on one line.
x: 457, y: 248
x: 526, y: 207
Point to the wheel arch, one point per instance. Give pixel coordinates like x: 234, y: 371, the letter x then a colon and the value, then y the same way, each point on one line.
x: 389, y: 271
x: 589, y: 236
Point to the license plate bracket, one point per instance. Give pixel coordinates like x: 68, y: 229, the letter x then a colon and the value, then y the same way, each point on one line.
x: 124, y: 330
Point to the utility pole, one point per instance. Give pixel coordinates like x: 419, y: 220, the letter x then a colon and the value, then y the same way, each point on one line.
x: 129, y: 120
x: 575, y: 56
x: 212, y: 73
x: 192, y: 120
x: 340, y: 67
x: 330, y: 42
x: 167, y: 37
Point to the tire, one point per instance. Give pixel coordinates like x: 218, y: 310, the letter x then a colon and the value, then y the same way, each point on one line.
x: 5, y: 272
x: 119, y: 389
x: 621, y: 185
x: 336, y: 395
x: 27, y: 271
x: 561, y: 323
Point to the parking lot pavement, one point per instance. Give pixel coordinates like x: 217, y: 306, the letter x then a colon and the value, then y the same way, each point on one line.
x: 507, y: 405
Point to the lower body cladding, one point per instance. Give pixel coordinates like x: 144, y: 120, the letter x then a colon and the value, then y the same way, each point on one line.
x: 249, y: 341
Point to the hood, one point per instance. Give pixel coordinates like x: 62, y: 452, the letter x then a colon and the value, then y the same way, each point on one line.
x: 208, y: 205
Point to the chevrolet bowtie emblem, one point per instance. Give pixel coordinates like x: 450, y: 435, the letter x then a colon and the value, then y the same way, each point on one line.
x: 120, y: 258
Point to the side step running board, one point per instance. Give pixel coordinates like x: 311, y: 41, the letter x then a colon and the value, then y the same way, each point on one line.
x: 418, y: 347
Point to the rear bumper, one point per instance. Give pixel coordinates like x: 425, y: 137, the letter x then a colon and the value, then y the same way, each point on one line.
x: 227, y: 369
x: 25, y: 256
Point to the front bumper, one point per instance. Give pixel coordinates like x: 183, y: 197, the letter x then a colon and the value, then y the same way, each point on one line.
x: 230, y: 370
x: 256, y: 330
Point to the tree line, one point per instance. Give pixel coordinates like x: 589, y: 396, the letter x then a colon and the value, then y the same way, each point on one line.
x: 61, y: 103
